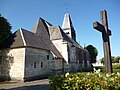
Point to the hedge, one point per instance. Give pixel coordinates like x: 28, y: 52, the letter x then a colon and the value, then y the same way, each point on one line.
x: 85, y: 81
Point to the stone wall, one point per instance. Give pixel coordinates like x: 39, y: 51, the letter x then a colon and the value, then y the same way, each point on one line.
x: 37, y: 63
x: 72, y: 53
x: 57, y: 66
x: 28, y: 64
x: 32, y: 63
x: 4, y: 66
x: 62, y: 48
x: 13, y: 63
x: 72, y: 57
x: 68, y: 51
x: 17, y: 69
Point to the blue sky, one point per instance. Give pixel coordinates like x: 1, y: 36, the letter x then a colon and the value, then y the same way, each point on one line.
x: 24, y: 13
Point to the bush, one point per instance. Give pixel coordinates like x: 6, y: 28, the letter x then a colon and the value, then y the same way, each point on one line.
x: 85, y: 81
x: 116, y: 66
x: 100, y: 67
x: 86, y: 69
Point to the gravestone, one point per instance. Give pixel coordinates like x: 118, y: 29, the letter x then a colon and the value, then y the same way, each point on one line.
x: 103, y: 28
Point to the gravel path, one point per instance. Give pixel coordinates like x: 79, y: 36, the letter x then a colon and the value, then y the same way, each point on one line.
x: 33, y: 85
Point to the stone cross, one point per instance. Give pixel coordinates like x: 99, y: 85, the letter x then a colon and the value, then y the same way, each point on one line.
x: 103, y: 28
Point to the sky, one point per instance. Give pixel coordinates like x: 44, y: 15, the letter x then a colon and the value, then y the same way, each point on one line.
x: 24, y: 13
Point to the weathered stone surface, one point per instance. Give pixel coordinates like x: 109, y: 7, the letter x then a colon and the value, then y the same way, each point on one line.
x: 13, y: 63
x: 36, y: 62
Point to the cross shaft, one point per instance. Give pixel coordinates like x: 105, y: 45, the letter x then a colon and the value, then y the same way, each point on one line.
x: 103, y: 28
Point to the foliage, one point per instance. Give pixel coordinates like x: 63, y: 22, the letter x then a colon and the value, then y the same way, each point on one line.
x: 115, y: 59
x: 102, y: 60
x: 100, y: 67
x: 93, y: 52
x: 85, y: 81
x: 5, y: 28
x: 115, y: 67
x: 86, y: 69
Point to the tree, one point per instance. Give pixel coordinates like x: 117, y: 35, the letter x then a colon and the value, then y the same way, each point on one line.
x: 5, y: 29
x: 115, y: 59
x: 102, y: 60
x: 93, y: 52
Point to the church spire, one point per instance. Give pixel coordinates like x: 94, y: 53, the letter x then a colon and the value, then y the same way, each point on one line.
x: 67, y: 26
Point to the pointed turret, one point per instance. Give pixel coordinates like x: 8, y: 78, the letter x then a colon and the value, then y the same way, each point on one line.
x: 67, y: 26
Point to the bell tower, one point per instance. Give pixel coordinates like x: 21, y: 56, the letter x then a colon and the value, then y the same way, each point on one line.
x: 67, y: 26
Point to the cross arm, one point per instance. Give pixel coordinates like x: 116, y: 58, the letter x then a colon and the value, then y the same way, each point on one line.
x: 98, y: 26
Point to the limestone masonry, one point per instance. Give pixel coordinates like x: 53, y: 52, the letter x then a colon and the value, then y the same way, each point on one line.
x: 41, y: 51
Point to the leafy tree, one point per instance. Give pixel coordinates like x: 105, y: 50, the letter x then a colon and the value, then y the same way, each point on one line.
x: 113, y: 58
x: 102, y: 60
x: 5, y: 29
x: 117, y: 59
x: 93, y: 52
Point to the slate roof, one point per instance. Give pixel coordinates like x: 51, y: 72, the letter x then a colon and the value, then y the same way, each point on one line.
x: 17, y: 40
x: 33, y: 40
x: 40, y: 29
x: 40, y: 36
x: 14, y: 40
x: 57, y: 33
x: 41, y: 26
x: 25, y: 38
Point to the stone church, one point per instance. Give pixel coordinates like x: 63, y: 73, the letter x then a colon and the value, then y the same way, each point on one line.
x: 45, y: 49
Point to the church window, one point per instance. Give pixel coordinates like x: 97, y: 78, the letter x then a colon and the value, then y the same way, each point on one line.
x: 35, y: 64
x: 47, y: 57
x: 41, y: 64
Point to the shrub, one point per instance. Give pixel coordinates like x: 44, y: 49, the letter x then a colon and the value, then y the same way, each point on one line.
x: 85, y: 81
x: 116, y: 66
x: 100, y: 67
x: 85, y: 69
